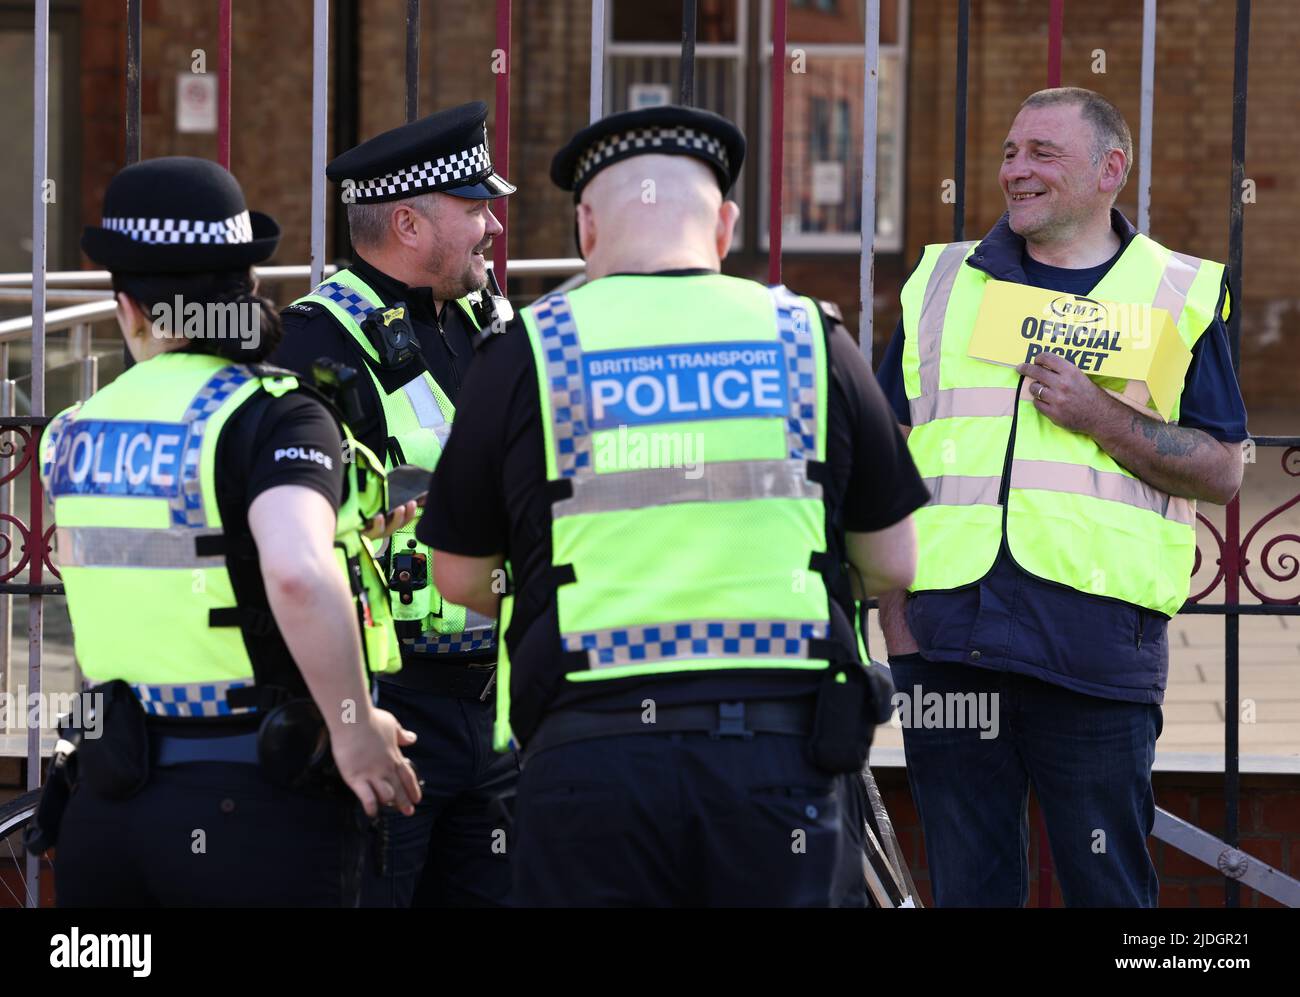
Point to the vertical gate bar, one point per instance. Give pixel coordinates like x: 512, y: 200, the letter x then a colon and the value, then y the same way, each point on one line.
x: 689, y: 29
x: 1232, y: 524
x: 223, y: 84
x: 501, y: 207
x: 1055, y: 26
x: 777, y: 137
x: 867, y: 259
x: 133, y: 29
x: 1148, y: 114
x: 597, y: 104
x: 8, y: 394
x: 40, y: 169
x: 412, y: 59
x: 320, y: 46
x: 959, y: 139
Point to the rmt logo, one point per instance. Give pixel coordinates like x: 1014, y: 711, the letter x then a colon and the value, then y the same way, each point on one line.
x: 304, y: 453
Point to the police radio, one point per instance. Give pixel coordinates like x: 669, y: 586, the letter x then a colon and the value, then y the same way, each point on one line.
x: 391, y: 334
x: 493, y: 311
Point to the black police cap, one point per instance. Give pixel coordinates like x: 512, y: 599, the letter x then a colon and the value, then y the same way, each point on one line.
x: 446, y: 152
x: 667, y: 130
x: 178, y: 214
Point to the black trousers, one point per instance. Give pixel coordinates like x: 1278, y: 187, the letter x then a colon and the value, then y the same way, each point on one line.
x: 210, y: 834
x: 687, y: 820
x: 454, y: 850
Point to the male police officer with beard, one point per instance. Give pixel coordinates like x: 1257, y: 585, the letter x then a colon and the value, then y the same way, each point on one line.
x: 405, y: 315
x: 691, y: 476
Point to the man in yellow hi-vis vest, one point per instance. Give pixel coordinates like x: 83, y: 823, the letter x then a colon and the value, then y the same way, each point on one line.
x: 405, y: 316
x: 1060, y: 535
x: 690, y: 475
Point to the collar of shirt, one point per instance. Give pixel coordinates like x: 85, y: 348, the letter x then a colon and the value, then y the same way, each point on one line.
x: 418, y: 299
x: 999, y: 253
x: 684, y: 272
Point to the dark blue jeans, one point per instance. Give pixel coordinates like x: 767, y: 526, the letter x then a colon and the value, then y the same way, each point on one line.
x: 1087, y: 759
x: 452, y: 852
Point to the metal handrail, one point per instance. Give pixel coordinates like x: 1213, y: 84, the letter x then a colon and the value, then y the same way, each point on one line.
x: 544, y: 267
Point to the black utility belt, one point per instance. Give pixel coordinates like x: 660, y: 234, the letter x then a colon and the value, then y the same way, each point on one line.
x: 444, y: 678
x: 718, y: 720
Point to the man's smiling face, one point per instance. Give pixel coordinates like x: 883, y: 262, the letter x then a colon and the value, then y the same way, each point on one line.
x: 1048, y: 173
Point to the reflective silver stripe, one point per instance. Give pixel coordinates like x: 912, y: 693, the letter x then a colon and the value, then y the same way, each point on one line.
x: 689, y: 639
x: 477, y: 621
x: 1175, y: 283
x: 723, y: 481
x: 934, y: 307
x: 423, y: 403
x: 958, y: 489
x: 132, y: 547
x: 1077, y: 479
x: 951, y: 403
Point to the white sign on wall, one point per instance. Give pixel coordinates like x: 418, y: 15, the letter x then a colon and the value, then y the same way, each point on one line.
x: 647, y: 95
x: 828, y: 182
x: 196, y: 102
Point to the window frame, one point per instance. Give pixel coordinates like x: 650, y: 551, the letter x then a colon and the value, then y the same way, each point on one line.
x: 832, y: 242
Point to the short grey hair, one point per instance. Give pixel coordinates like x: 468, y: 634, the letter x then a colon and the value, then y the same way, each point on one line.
x: 368, y: 223
x: 1110, y: 130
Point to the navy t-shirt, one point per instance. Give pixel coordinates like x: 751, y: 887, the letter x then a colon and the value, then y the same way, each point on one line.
x: 1013, y: 621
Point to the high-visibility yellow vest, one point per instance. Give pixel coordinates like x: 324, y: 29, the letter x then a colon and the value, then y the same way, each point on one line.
x: 418, y: 417
x: 140, y: 541
x: 998, y: 468
x: 680, y: 417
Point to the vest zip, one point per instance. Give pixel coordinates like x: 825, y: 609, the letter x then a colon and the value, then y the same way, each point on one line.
x: 437, y: 321
x: 1004, y: 489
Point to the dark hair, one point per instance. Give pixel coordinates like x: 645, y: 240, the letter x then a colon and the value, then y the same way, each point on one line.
x: 167, y: 299
x: 1109, y: 129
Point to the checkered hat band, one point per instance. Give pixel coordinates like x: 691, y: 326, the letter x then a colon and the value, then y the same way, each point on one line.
x: 184, y: 231
x: 429, y: 175
x: 649, y: 140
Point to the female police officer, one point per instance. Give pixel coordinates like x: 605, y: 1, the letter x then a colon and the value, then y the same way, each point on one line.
x: 217, y: 581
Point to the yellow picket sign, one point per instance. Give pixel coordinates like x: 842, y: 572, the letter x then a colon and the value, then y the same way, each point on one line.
x: 1132, y: 350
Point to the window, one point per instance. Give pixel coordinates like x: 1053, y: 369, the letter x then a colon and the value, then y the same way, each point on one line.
x: 643, y: 51
x: 821, y: 197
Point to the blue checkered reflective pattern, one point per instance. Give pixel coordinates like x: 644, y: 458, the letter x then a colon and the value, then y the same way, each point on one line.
x: 690, y: 639
x: 795, y: 330
x: 469, y: 640
x: 203, y: 699
x: 569, y: 430
x: 346, y: 298
x: 51, y: 439
x: 187, y: 507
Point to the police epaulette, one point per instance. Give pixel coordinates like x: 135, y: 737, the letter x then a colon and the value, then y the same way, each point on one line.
x: 303, y: 308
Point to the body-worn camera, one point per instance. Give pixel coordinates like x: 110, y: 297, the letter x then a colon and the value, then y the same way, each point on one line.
x: 391, y: 334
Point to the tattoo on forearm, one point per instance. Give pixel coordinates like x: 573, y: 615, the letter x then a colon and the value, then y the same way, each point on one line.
x: 1170, y: 440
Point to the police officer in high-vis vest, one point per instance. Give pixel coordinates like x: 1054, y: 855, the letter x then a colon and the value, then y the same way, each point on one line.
x: 405, y: 316
x: 1060, y: 538
x: 687, y: 477
x: 225, y: 605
